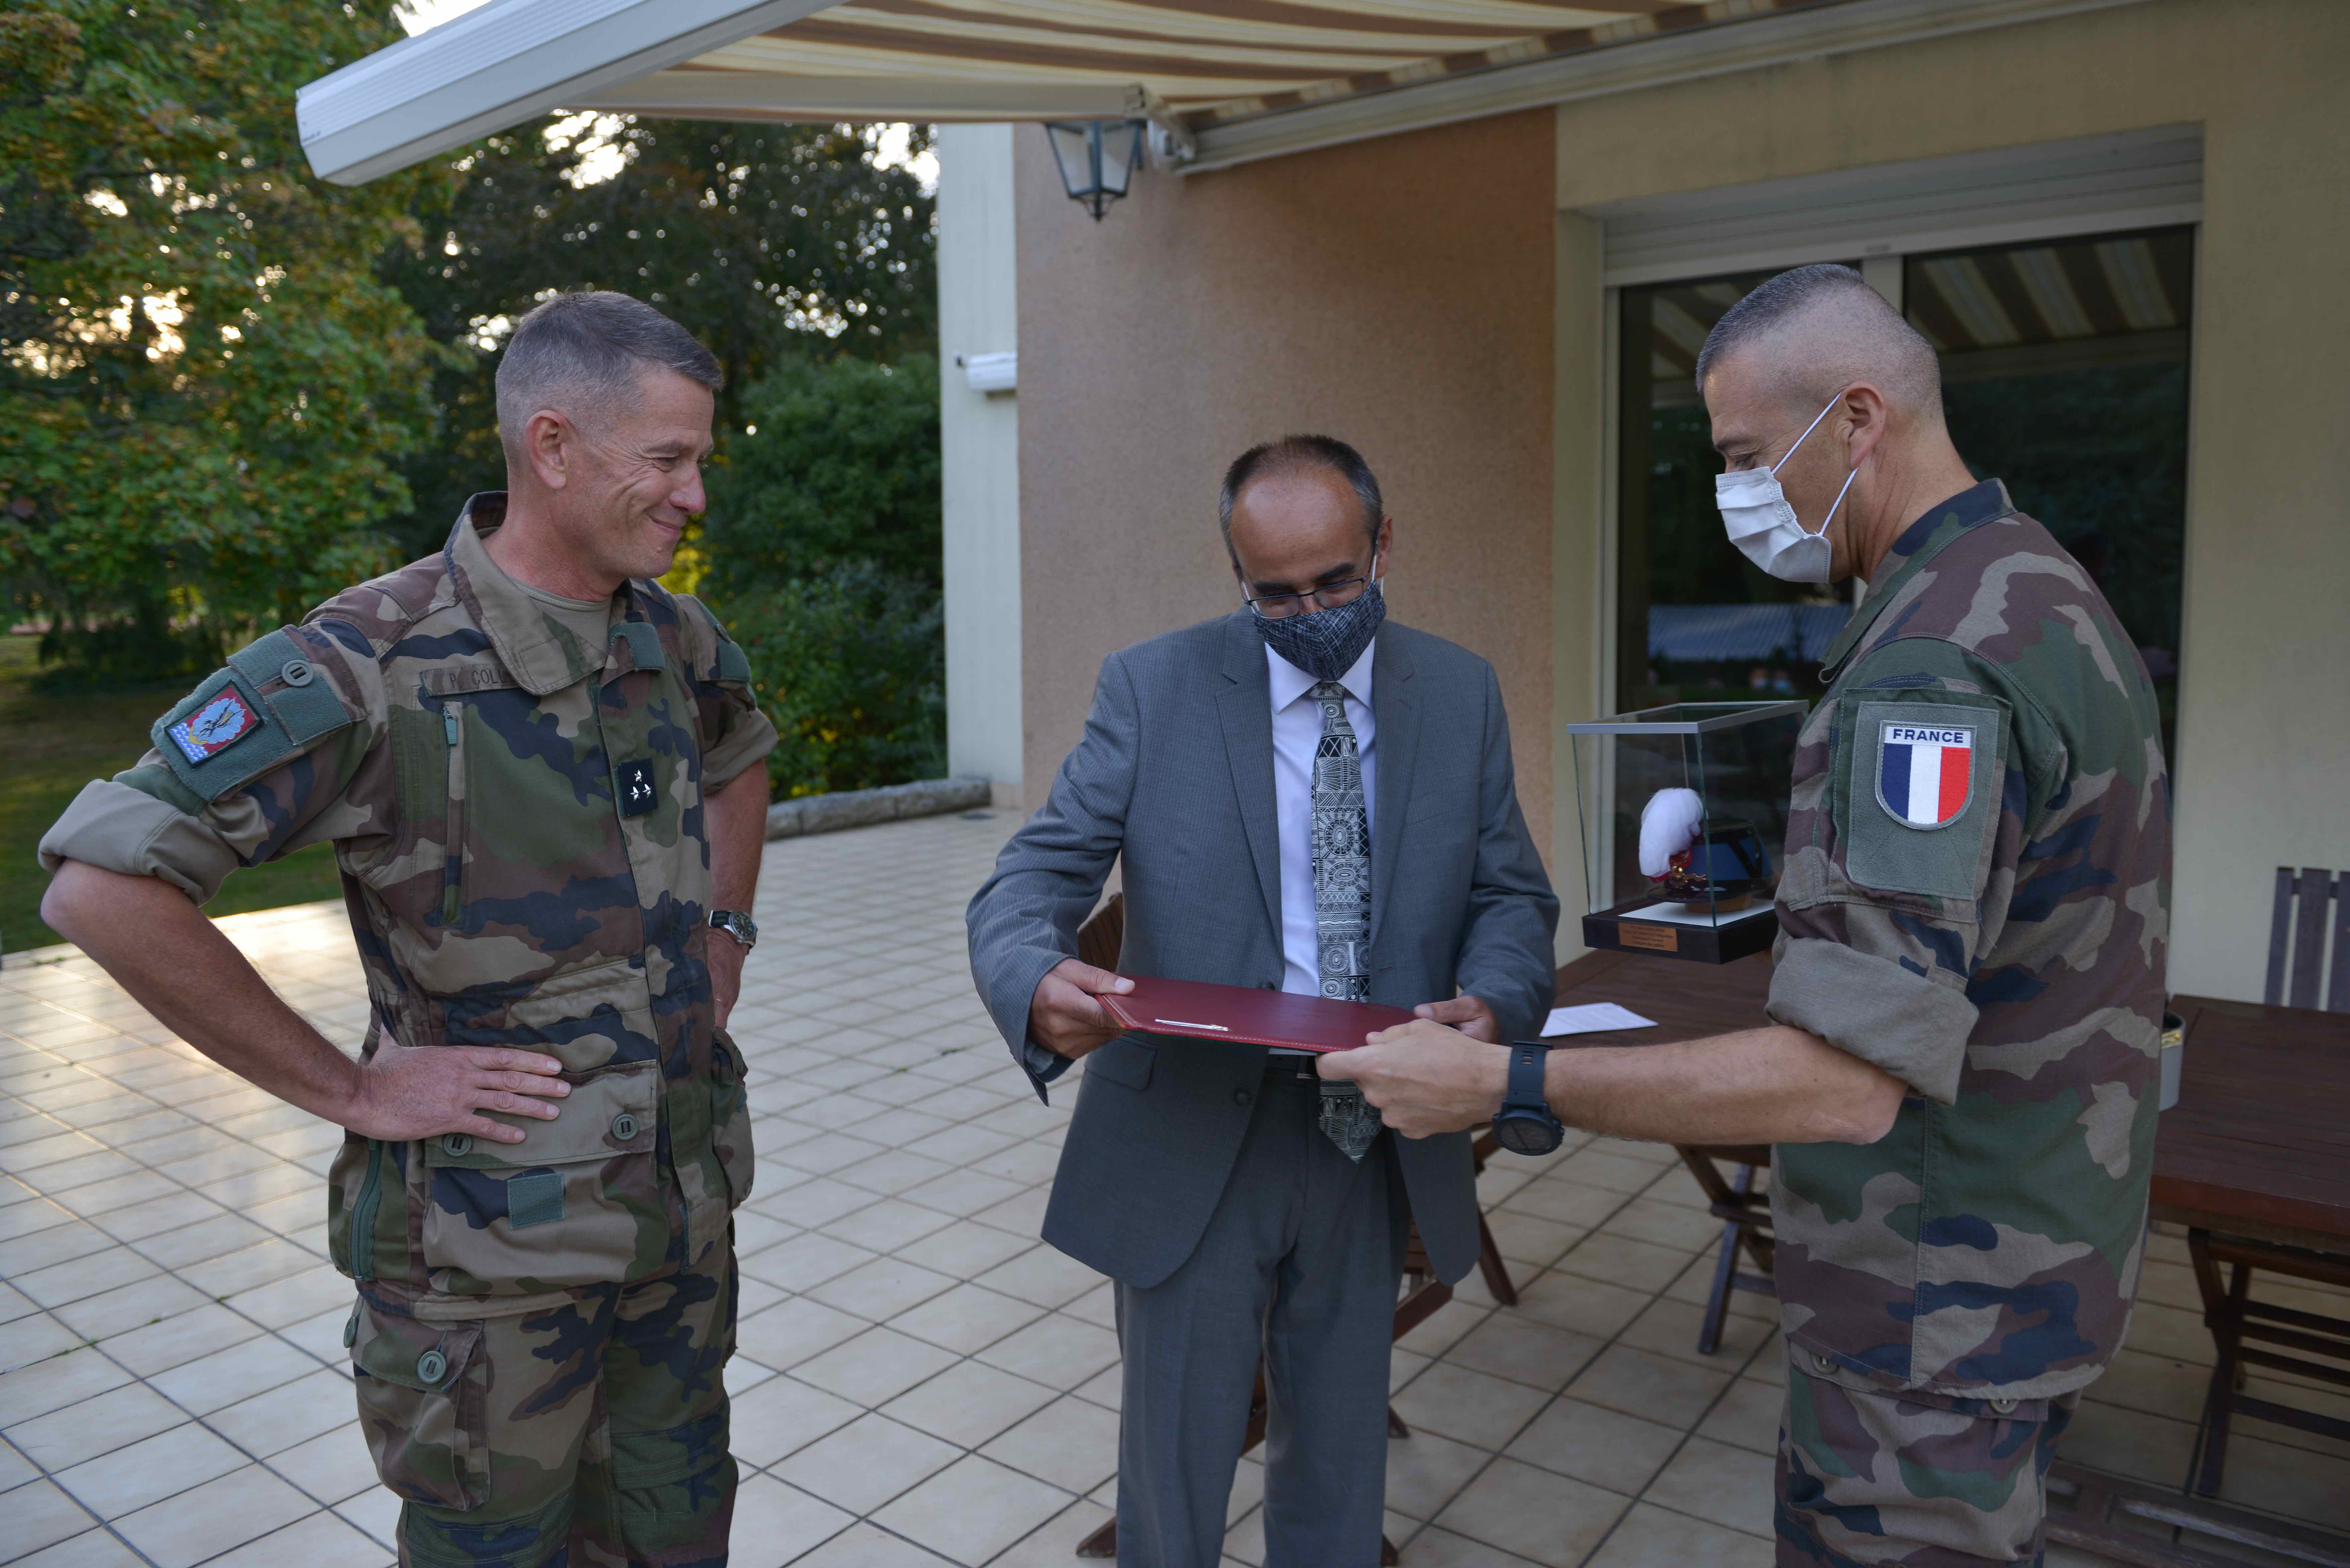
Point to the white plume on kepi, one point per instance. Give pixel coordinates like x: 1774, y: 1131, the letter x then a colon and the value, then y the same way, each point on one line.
x: 1669, y: 824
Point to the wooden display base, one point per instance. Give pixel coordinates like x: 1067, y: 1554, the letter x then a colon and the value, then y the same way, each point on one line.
x: 1619, y: 929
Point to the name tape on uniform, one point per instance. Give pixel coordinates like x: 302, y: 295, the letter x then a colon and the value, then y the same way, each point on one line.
x: 1925, y: 773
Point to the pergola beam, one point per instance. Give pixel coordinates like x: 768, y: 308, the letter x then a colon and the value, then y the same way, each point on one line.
x: 505, y: 63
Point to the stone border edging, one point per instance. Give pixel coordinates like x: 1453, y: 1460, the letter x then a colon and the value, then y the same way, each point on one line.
x: 864, y: 808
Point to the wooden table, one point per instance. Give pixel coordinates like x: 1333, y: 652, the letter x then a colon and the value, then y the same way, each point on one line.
x: 1689, y: 1000
x: 2254, y: 1160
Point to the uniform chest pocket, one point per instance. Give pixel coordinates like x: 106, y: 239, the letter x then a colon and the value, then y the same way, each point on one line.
x: 433, y: 772
x: 577, y: 1202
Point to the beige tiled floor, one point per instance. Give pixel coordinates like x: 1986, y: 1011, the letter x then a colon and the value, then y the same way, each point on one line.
x: 919, y: 1381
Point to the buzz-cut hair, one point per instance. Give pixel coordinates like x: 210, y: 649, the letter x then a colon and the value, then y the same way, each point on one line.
x: 1869, y: 340
x: 582, y: 354
x: 1292, y: 453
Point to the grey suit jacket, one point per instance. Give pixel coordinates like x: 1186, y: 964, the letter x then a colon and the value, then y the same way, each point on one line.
x: 1175, y: 774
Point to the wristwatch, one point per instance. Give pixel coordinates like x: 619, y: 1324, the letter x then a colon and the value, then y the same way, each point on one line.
x: 1525, y: 1124
x: 738, y: 925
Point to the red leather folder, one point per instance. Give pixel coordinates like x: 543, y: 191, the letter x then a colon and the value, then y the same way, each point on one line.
x: 1257, y: 1017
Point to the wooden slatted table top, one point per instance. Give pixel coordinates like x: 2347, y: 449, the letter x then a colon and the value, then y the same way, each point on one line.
x: 2258, y: 1142
x: 1686, y: 999
x: 2261, y: 1130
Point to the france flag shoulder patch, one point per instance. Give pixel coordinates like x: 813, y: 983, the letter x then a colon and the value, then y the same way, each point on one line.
x: 1925, y: 773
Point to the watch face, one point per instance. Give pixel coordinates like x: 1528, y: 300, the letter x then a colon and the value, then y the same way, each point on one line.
x: 1525, y: 1133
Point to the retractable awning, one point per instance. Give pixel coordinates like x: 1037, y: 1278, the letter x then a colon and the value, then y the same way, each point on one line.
x: 1227, y: 78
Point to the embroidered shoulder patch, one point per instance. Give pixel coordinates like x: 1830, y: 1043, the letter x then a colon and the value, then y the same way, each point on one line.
x: 214, y: 727
x: 1925, y: 773
x: 1921, y: 797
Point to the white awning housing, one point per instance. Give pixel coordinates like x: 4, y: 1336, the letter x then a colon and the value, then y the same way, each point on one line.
x: 1229, y: 79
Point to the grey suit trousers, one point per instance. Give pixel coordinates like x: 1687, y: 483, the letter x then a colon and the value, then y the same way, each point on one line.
x: 1300, y: 1260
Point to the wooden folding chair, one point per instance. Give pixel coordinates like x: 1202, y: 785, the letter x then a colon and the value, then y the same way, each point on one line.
x: 2304, y: 931
x: 1100, y: 942
x: 1745, y: 1216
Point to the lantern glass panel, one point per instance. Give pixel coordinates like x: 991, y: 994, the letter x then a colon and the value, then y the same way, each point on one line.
x: 1121, y: 149
x: 1073, y: 150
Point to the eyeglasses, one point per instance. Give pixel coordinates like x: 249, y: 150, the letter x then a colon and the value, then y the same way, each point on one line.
x: 1329, y: 595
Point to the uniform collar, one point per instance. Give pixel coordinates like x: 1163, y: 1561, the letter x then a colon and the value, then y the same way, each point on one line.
x: 1918, y: 544
x: 536, y: 649
x: 1289, y: 682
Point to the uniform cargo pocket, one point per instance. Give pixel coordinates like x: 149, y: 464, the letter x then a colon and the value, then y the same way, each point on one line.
x: 423, y: 1400
x: 576, y: 1203
x: 729, y: 1117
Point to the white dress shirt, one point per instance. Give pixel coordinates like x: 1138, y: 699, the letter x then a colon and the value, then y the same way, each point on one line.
x: 1297, y: 734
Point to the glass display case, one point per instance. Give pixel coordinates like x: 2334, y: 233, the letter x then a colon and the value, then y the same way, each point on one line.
x: 1683, y: 811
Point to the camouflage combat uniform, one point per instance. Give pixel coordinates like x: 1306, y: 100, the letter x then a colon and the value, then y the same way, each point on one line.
x: 518, y: 819
x: 1995, y: 939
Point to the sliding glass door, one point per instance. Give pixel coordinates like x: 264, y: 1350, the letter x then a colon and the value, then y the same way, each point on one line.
x: 2065, y: 373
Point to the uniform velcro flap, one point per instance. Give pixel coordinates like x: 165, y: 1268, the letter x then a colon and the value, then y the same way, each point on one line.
x: 219, y: 736
x: 534, y: 1197
x: 644, y: 644
x: 305, y: 701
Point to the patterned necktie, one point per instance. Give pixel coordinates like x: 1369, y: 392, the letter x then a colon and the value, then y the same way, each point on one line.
x: 1342, y: 901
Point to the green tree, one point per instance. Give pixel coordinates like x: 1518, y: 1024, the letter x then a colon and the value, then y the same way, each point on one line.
x: 774, y: 244
x: 836, y: 461
x: 850, y: 664
x: 821, y: 551
x: 202, y: 383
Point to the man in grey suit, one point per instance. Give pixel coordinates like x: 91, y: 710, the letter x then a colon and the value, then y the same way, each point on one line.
x: 1308, y: 800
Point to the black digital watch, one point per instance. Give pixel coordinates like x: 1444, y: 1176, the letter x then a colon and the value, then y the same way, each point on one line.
x: 1525, y: 1124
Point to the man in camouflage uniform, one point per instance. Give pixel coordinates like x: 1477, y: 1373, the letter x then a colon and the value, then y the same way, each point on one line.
x: 1968, y: 987
x: 541, y: 773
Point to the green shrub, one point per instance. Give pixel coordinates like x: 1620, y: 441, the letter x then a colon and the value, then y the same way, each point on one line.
x: 851, y: 667
x: 838, y: 460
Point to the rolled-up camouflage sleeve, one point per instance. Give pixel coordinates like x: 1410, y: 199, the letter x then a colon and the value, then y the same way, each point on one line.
x: 736, y: 734
x: 1914, y: 782
x: 284, y: 733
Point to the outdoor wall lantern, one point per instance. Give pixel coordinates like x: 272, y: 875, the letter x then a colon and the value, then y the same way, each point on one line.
x: 1098, y: 158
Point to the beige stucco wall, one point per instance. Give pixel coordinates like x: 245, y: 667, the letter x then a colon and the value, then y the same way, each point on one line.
x: 1394, y: 294
x: 2264, y: 719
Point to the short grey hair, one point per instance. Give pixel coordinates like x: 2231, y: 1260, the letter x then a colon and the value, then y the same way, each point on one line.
x: 1863, y: 338
x: 583, y: 353
x: 1297, y: 451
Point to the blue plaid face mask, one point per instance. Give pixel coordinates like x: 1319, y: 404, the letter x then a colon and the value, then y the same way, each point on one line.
x: 1325, y: 643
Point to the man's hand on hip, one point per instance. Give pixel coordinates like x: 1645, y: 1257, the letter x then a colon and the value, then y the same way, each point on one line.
x: 1424, y: 1077
x: 417, y: 1092
x: 1065, y: 1017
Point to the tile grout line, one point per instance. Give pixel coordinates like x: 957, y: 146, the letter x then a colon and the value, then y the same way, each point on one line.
x: 142, y: 1164
x: 1497, y: 1454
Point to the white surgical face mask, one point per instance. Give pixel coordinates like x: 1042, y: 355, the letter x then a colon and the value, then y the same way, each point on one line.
x: 1755, y: 515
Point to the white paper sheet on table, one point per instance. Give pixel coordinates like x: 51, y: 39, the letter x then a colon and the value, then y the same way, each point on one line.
x: 1592, y: 1017
x: 1681, y: 915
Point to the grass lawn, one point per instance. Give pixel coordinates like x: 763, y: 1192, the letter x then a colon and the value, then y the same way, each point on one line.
x: 51, y: 747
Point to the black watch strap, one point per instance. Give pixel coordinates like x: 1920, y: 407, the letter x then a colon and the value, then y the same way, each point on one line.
x: 1527, y: 1060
